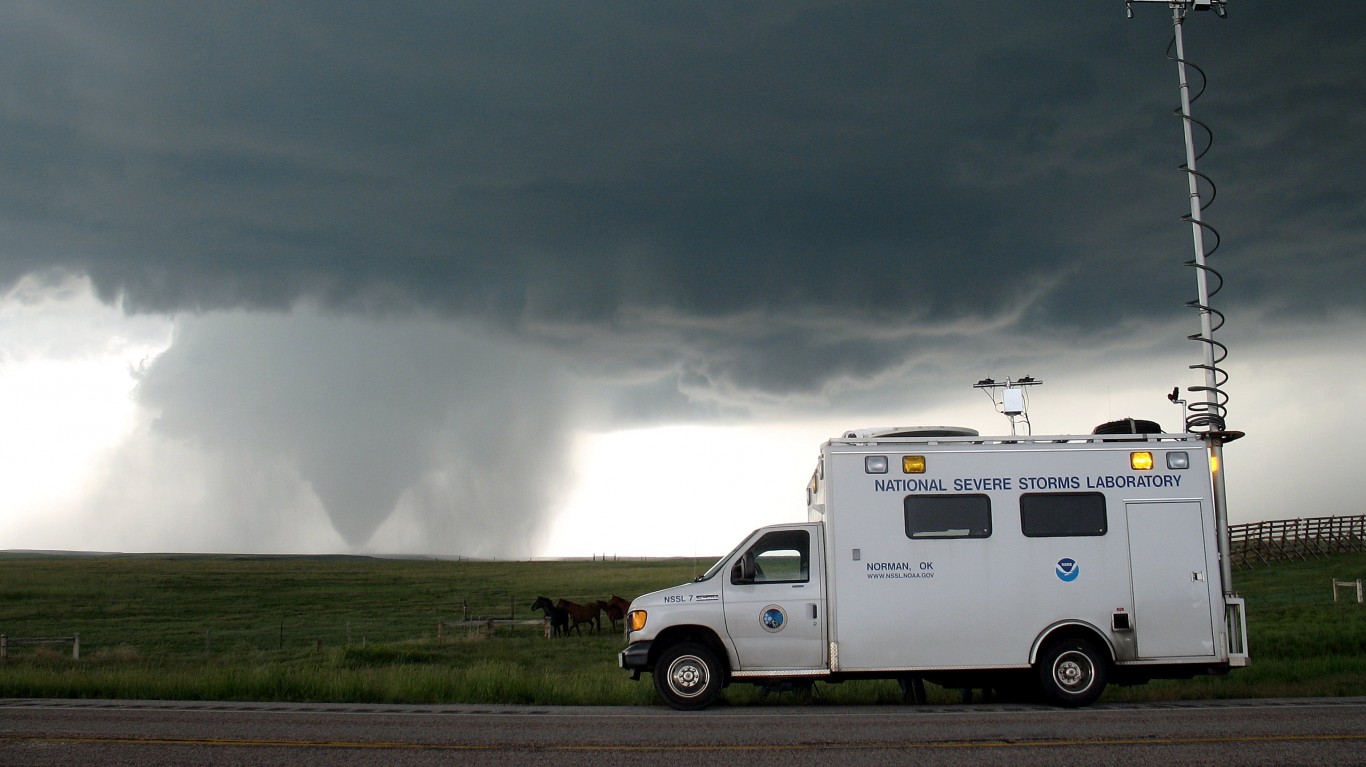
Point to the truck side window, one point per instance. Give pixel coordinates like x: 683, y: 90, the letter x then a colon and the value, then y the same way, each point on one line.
x: 782, y: 556
x: 948, y: 516
x: 1058, y: 515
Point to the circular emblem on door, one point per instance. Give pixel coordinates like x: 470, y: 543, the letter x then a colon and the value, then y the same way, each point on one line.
x: 773, y: 618
x: 1067, y: 569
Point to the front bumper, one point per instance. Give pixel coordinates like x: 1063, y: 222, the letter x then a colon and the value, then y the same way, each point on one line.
x: 635, y: 658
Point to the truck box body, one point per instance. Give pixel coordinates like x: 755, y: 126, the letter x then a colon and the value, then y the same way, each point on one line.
x: 968, y: 586
x: 949, y: 556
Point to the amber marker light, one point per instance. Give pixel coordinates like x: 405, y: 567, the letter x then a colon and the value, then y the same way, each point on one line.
x: 912, y: 464
x: 1141, y: 461
x: 636, y: 620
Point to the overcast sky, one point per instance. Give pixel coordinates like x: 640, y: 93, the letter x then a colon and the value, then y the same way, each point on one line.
x: 515, y: 279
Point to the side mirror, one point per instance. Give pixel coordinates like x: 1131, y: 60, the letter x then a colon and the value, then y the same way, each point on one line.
x: 743, y: 571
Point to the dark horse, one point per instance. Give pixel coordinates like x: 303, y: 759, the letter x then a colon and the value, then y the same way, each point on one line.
x: 579, y: 614
x: 559, y: 618
x: 615, y: 609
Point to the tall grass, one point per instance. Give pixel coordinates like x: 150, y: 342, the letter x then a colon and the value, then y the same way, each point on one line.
x: 350, y: 629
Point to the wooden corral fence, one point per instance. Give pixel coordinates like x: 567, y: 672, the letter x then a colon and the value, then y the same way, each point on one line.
x: 1293, y: 540
x: 487, y: 625
x: 470, y: 623
x: 74, y: 640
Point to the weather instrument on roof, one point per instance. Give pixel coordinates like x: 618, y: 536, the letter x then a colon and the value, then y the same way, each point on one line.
x: 1010, y: 399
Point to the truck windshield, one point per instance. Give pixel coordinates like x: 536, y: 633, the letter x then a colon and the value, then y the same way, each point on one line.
x: 721, y: 563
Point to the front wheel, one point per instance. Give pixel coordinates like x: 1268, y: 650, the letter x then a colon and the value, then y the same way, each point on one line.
x: 1072, y: 673
x: 688, y: 676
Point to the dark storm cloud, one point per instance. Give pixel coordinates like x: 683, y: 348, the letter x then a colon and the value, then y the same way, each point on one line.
x: 409, y: 244
x: 790, y: 196
x: 560, y: 164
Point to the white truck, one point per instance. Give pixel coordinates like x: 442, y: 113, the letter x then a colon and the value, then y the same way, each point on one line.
x: 1057, y: 562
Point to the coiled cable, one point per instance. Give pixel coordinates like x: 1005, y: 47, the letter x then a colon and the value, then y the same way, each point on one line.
x: 1208, y: 410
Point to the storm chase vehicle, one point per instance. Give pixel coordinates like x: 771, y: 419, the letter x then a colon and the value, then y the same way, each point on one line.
x: 1061, y: 563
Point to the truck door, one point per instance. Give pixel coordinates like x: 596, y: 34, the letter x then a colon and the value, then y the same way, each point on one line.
x: 1170, y: 579
x: 774, y: 605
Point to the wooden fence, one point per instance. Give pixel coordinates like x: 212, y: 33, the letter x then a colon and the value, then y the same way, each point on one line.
x: 487, y: 625
x: 74, y: 640
x: 1293, y: 540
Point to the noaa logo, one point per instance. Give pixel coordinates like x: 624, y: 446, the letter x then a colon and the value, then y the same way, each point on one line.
x: 1067, y: 569
x: 773, y: 618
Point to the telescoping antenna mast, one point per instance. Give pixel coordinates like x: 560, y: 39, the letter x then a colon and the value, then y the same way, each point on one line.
x: 1206, y: 415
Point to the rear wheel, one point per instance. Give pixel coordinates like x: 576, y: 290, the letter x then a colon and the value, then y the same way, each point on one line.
x: 1072, y: 673
x: 688, y: 676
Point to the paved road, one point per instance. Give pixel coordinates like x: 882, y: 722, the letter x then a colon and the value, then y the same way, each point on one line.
x: 38, y: 733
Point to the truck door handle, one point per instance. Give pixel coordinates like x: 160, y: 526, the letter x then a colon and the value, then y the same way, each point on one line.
x: 813, y: 612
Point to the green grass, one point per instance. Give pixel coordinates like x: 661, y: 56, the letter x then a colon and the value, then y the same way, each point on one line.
x: 354, y: 629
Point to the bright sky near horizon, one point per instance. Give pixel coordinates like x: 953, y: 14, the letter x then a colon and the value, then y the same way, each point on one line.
x: 461, y: 280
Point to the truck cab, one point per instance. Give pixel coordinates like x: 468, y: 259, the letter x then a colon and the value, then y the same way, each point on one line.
x: 759, y: 608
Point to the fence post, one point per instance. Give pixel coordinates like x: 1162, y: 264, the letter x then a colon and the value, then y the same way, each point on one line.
x: 76, y: 647
x: 1348, y: 585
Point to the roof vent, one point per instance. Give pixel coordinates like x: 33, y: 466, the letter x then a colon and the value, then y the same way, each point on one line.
x: 911, y: 431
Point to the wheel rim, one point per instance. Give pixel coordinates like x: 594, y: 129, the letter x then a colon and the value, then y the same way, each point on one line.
x: 1074, y: 672
x: 688, y: 676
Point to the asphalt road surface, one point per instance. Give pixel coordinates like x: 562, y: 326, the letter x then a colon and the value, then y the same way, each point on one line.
x: 1322, y: 731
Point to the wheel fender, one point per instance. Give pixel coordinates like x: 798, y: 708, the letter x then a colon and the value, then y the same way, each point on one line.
x: 1071, y: 628
x: 674, y: 634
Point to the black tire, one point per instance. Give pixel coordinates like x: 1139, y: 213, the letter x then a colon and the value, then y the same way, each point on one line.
x: 688, y: 676
x: 1072, y: 674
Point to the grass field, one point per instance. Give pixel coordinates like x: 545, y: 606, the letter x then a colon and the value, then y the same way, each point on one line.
x: 354, y: 629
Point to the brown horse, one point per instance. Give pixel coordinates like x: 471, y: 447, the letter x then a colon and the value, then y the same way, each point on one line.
x: 579, y: 614
x: 615, y: 609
